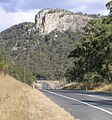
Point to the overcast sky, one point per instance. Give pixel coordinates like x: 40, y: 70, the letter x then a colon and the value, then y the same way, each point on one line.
x: 16, y: 11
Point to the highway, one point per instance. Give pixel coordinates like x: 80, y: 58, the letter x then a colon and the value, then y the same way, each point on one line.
x: 83, y: 105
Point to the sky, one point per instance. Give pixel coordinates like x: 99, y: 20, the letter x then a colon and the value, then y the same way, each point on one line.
x: 17, y: 11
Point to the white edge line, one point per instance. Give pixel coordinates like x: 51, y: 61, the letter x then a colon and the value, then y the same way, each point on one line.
x: 101, y: 109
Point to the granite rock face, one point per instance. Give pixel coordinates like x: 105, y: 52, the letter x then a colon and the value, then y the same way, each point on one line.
x: 48, y: 20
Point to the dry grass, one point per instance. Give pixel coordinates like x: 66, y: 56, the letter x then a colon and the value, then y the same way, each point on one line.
x: 13, y: 99
x: 19, y: 102
x: 103, y: 87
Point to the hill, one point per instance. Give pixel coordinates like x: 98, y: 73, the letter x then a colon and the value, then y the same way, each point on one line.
x: 41, y: 55
x: 19, y: 101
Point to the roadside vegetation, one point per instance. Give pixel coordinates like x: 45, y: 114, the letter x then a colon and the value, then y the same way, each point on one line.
x: 102, y: 87
x: 9, y: 67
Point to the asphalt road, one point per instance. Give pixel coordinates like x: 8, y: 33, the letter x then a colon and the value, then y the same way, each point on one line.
x: 45, y: 86
x: 82, y: 104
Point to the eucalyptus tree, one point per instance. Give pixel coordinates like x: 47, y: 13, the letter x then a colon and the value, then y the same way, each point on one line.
x: 93, y: 53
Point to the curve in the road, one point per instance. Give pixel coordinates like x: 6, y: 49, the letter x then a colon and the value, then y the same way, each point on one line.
x: 80, y: 102
x: 83, y: 105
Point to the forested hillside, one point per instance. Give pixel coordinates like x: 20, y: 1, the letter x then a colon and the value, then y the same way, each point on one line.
x: 27, y: 54
x: 34, y: 55
x: 93, y: 53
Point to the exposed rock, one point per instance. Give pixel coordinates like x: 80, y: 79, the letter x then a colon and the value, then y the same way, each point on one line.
x: 48, y: 20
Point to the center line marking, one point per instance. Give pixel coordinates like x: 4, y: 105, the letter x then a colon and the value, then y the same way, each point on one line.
x: 101, y: 109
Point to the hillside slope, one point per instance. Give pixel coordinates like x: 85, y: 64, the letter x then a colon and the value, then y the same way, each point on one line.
x: 45, y: 56
x: 19, y: 102
x: 42, y: 48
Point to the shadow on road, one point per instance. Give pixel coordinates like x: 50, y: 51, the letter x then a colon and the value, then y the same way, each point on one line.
x: 104, y: 103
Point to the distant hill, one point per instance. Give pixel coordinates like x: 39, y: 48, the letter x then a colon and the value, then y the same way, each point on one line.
x: 43, y: 54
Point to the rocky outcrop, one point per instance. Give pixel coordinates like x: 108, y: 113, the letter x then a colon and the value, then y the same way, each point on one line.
x: 48, y: 20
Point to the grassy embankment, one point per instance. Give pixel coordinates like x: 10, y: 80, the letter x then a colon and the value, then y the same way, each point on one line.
x: 19, y: 101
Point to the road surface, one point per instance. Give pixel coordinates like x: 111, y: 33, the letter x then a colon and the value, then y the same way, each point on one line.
x: 82, y: 104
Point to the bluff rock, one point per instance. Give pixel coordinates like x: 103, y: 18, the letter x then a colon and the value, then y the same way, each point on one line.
x: 48, y: 20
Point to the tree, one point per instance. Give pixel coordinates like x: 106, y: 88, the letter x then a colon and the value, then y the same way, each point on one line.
x: 2, y: 57
x: 93, y: 53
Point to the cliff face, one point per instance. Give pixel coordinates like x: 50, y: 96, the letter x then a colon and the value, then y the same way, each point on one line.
x: 48, y: 20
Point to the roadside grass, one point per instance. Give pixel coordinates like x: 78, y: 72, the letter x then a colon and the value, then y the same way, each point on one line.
x: 19, y: 101
x: 103, y: 87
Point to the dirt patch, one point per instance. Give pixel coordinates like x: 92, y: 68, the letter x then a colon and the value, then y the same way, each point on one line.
x: 19, y: 101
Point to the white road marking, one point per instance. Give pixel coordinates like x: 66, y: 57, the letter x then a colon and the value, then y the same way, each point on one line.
x: 97, y: 96
x: 101, y: 109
